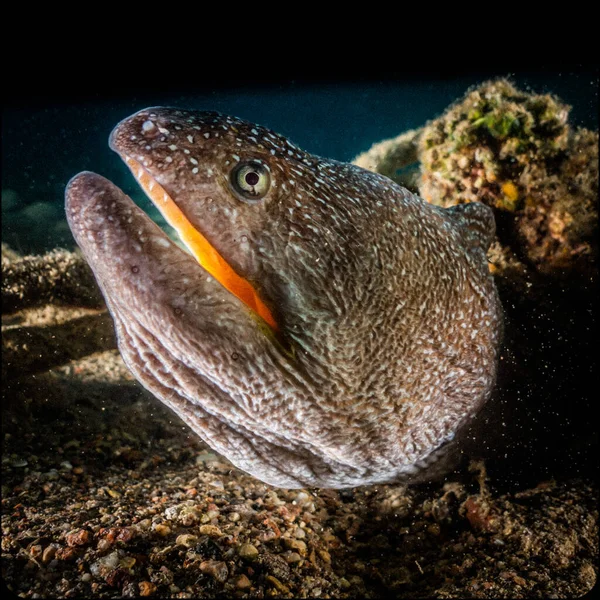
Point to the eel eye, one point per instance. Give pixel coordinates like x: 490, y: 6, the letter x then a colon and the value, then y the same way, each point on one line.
x: 251, y: 180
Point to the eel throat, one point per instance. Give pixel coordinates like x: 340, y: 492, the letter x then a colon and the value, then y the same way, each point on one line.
x: 202, y: 250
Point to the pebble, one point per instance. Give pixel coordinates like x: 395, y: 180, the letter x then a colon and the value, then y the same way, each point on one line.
x: 277, y: 584
x: 79, y: 538
x: 49, y: 553
x: 242, y: 582
x: 144, y: 524
x: 127, y: 562
x: 297, y: 545
x: 187, y: 540
x: 292, y: 557
x: 210, y: 530
x: 103, y: 545
x: 104, y: 564
x: 215, y: 568
x: 325, y: 556
x: 147, y: 588
x: 162, y: 530
x: 248, y: 551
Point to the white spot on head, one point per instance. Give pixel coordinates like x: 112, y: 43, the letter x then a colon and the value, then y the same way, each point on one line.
x: 235, y: 157
x: 193, y: 160
x: 172, y: 147
x: 148, y: 126
x: 207, y: 135
x: 190, y: 139
x: 195, y: 170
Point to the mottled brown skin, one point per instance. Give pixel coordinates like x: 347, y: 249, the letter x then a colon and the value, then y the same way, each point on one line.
x: 389, y: 318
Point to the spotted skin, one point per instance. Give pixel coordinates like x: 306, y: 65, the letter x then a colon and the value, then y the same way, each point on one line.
x: 389, y: 320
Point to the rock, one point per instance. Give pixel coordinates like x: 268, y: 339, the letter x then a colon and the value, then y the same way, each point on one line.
x: 248, y: 552
x: 10, y: 202
x: 186, y: 540
x: 211, y: 531
x: 162, y: 530
x: 59, y: 276
x: 397, y: 159
x: 215, y: 568
x: 79, y: 538
x: 41, y: 213
x: 147, y: 588
x: 242, y: 582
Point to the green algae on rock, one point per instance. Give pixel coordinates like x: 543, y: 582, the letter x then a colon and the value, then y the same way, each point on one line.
x: 516, y: 152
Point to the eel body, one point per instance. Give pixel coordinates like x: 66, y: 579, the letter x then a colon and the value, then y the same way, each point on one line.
x: 326, y: 327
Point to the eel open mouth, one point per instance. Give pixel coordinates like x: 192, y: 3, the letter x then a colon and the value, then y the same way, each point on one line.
x: 201, y: 249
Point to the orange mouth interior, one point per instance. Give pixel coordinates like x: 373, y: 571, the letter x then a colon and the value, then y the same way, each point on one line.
x: 208, y: 258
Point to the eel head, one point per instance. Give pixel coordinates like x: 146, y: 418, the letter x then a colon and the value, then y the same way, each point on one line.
x: 325, y: 327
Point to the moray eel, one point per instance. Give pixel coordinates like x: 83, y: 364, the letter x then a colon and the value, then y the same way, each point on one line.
x: 326, y: 327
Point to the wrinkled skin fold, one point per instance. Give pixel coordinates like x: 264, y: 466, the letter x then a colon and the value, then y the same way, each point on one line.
x: 387, y: 321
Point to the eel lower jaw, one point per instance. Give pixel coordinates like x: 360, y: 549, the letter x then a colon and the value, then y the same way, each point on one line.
x: 200, y: 248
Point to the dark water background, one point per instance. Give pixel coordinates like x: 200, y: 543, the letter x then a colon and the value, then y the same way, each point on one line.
x: 46, y: 140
